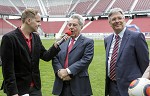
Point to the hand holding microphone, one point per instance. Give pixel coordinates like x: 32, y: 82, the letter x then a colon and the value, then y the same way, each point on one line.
x: 64, y: 38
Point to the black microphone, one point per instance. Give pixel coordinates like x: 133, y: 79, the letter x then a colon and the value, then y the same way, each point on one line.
x: 67, y: 33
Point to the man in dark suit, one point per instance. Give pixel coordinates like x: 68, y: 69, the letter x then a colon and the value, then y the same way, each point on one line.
x: 21, y: 50
x: 127, y: 55
x: 71, y: 64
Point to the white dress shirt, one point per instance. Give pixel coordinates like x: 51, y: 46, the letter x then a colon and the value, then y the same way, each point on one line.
x: 112, y: 47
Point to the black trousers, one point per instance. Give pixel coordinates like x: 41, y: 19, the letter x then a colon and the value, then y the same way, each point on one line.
x: 113, y: 89
x: 66, y: 89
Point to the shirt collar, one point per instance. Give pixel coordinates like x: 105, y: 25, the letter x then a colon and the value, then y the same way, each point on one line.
x: 24, y: 35
x: 76, y: 38
x: 121, y: 33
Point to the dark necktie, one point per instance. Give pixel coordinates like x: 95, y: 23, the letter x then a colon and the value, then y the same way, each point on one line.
x: 69, y: 49
x: 114, y: 58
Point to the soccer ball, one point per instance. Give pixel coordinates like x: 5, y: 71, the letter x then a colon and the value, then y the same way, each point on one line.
x: 139, y: 87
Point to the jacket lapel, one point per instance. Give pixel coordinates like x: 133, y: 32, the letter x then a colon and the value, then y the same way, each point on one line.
x: 123, y: 42
x: 64, y: 47
x: 22, y: 43
x: 33, y: 45
x: 22, y: 40
x: 79, y: 40
x: 109, y: 44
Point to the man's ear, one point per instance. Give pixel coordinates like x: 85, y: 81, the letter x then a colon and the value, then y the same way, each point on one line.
x: 28, y: 20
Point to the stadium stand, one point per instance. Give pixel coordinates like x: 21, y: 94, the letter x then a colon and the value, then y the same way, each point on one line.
x: 82, y: 6
x: 142, y: 23
x: 100, y: 26
x: 5, y: 27
x: 20, y: 5
x: 100, y: 7
x: 51, y: 27
x: 57, y: 7
x: 16, y: 22
x: 142, y: 5
x: 7, y: 8
x: 125, y: 5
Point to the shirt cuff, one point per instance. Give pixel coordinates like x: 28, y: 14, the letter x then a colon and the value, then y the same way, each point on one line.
x: 69, y: 72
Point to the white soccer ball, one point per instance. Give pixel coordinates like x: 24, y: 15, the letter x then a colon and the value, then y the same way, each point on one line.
x: 139, y: 87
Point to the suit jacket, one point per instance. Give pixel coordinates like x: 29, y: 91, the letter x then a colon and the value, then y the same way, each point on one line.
x: 78, y: 61
x: 20, y: 66
x: 132, y: 60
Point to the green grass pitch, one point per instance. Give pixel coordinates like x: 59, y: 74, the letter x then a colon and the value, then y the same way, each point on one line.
x: 96, y: 70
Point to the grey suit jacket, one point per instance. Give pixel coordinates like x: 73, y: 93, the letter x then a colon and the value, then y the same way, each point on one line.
x: 132, y: 60
x: 80, y: 57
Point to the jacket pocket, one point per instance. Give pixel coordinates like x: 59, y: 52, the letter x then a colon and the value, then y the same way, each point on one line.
x: 133, y: 77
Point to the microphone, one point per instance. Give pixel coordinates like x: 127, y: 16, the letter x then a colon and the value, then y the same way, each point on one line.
x: 67, y: 33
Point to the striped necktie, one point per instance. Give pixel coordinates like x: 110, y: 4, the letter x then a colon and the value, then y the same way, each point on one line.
x: 114, y: 58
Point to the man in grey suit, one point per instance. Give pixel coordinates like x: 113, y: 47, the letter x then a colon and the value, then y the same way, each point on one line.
x: 127, y: 55
x: 71, y: 68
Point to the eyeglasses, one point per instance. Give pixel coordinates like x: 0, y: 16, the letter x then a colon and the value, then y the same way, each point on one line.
x: 73, y: 24
x: 117, y: 18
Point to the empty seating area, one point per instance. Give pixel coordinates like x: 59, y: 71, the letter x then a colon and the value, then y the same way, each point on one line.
x: 7, y: 8
x: 123, y: 4
x: 15, y: 22
x: 100, y: 7
x: 57, y: 7
x: 20, y: 5
x: 64, y: 8
x: 82, y: 6
x: 5, y: 27
x: 32, y: 4
x: 142, y: 5
x: 51, y: 27
x: 61, y: 10
x: 142, y: 23
x: 98, y: 26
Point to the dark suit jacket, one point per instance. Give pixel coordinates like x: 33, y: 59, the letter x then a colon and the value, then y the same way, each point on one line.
x: 132, y: 60
x: 20, y: 66
x: 79, y: 59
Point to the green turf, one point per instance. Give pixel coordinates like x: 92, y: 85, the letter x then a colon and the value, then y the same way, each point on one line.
x: 96, y: 71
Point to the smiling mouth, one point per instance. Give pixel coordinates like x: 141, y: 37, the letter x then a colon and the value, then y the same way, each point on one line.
x: 117, y: 25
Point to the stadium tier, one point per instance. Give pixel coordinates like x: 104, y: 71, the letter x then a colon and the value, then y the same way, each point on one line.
x: 142, y: 23
x: 64, y: 8
x: 51, y: 27
x: 123, y: 4
x: 100, y: 7
x: 142, y: 5
x: 5, y: 27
